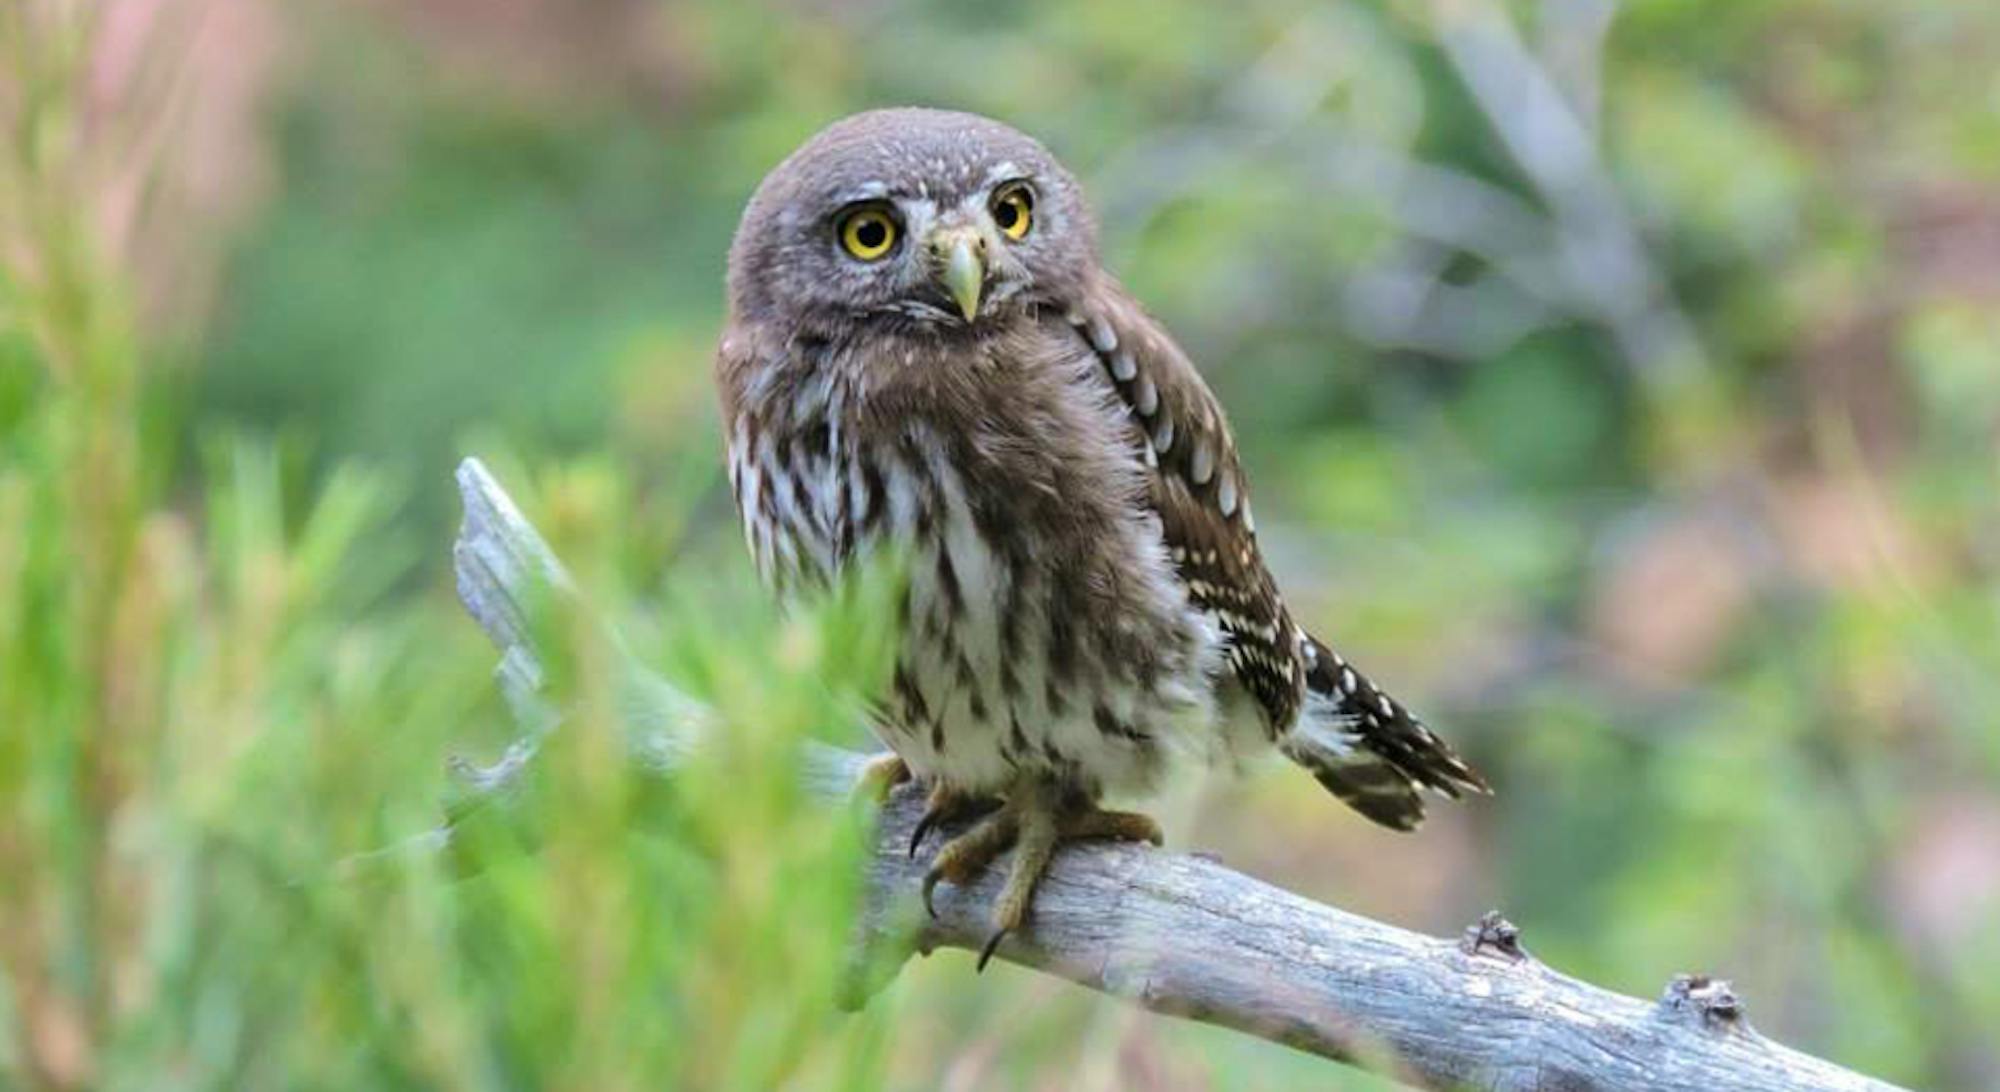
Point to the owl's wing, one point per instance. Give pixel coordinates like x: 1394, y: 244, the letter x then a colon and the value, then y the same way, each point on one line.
x: 1198, y: 490
x: 1361, y: 744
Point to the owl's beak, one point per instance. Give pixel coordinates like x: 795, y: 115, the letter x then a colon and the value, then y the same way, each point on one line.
x: 960, y: 254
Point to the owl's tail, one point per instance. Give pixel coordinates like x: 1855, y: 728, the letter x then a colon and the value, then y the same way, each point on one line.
x: 1367, y: 749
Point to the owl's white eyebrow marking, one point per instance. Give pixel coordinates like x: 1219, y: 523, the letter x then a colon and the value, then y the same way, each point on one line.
x: 918, y: 208
x: 866, y: 191
x: 1004, y: 172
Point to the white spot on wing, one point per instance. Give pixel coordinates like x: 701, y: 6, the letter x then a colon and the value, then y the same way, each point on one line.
x: 1102, y: 335
x: 1146, y: 396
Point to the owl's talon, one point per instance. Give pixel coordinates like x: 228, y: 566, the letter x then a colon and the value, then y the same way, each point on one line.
x: 930, y: 885
x: 986, y: 950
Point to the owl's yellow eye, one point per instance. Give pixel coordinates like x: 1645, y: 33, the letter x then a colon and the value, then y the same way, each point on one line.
x: 868, y: 234
x: 1014, y: 209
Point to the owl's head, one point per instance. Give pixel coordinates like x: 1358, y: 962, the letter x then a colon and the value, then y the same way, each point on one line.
x: 911, y: 219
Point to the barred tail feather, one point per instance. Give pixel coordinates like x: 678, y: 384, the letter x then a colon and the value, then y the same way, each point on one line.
x: 1367, y: 749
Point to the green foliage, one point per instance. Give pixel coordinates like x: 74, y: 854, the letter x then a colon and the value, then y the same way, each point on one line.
x: 223, y: 706
x: 206, y: 766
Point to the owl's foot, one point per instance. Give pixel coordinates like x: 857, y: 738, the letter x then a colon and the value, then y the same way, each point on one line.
x: 963, y: 858
x: 1041, y: 833
x: 880, y: 775
x: 1034, y: 826
x: 947, y: 805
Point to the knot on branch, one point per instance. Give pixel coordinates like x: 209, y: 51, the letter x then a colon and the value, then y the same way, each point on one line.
x: 1493, y: 933
x: 1710, y: 1002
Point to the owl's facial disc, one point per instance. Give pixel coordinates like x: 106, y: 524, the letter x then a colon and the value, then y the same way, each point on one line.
x: 958, y: 257
x: 916, y: 223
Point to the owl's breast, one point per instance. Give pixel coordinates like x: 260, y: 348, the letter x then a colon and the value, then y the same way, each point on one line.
x: 794, y: 519
x: 1044, y: 627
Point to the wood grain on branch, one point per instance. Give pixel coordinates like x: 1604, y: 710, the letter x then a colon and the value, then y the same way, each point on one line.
x: 1187, y: 936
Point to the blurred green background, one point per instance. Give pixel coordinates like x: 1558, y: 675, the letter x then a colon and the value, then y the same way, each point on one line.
x: 1620, y: 383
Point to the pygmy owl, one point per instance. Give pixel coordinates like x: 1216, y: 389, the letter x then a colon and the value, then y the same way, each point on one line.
x: 924, y: 354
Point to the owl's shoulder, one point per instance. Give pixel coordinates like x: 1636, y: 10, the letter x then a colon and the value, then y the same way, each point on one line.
x: 742, y: 355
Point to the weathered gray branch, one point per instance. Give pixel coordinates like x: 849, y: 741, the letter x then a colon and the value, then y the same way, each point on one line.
x: 1186, y: 936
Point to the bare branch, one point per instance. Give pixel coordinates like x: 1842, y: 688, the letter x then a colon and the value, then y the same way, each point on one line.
x: 1187, y: 936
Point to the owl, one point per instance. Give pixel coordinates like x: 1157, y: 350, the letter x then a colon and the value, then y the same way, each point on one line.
x: 923, y: 354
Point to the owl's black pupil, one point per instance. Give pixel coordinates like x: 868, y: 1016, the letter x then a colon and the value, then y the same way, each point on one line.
x: 1010, y: 212
x: 871, y: 234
